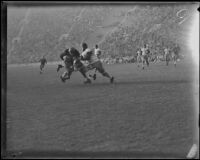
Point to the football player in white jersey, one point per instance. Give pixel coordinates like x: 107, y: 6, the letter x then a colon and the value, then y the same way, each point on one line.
x: 145, y: 53
x: 94, y: 61
x: 97, y: 52
x: 139, y: 56
x: 71, y: 60
x: 167, y: 55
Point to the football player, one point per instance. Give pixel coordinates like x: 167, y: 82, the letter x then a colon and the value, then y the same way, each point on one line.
x: 97, y: 52
x: 167, y: 55
x: 78, y: 65
x: 94, y: 62
x: 42, y: 61
x: 145, y: 52
x: 139, y: 54
x: 175, y: 54
x: 70, y: 57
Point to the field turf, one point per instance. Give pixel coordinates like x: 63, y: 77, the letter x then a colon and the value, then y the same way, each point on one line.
x: 148, y: 111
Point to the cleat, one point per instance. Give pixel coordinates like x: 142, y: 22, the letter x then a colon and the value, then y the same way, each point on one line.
x: 62, y: 79
x: 94, y: 76
x: 87, y: 81
x: 112, y: 80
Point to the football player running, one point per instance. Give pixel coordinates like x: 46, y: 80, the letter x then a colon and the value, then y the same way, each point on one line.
x: 175, y: 54
x: 97, y: 52
x: 167, y: 55
x: 68, y: 64
x: 145, y: 52
x: 71, y: 58
x: 42, y: 61
x: 94, y: 62
x: 139, y: 55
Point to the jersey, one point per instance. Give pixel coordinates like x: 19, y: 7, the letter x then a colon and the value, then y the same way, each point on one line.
x: 145, y: 51
x: 176, y: 50
x: 89, y: 56
x: 97, y: 52
x: 43, y: 61
x: 74, y: 53
x: 139, y: 53
x: 166, y: 51
x: 65, y: 56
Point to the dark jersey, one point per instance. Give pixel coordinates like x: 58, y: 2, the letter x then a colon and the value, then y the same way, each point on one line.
x: 65, y: 53
x: 176, y: 50
x: 43, y: 61
x: 74, y: 53
x: 68, y: 58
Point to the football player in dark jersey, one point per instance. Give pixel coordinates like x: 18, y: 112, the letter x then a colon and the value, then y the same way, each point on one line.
x: 42, y: 61
x: 71, y: 58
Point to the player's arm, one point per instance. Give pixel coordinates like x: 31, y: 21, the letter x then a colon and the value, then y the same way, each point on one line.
x: 86, y: 55
x: 62, y: 56
x: 83, y: 58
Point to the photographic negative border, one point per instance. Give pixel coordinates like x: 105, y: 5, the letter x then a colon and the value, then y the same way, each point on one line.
x: 3, y: 76
x: 58, y: 154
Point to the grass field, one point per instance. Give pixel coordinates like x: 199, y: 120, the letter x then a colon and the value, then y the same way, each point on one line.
x: 147, y: 111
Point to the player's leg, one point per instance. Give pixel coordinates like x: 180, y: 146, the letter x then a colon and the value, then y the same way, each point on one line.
x: 175, y: 60
x: 143, y: 61
x: 41, y: 67
x: 138, y: 61
x: 147, y: 60
x: 166, y: 60
x: 100, y: 69
x: 94, y: 76
x: 67, y: 74
x: 59, y: 67
x: 83, y: 71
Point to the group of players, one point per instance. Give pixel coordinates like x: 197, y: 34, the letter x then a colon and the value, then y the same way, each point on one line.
x: 143, y: 55
x: 89, y: 59
x: 83, y: 62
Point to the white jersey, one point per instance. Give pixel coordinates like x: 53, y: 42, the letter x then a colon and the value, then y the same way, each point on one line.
x: 97, y: 52
x: 166, y: 51
x: 92, y: 58
x: 139, y: 53
x: 144, y: 51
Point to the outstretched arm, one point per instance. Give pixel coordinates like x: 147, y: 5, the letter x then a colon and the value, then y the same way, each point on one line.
x: 62, y: 55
